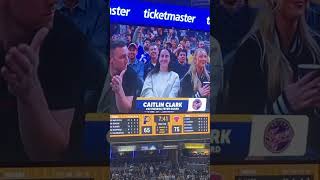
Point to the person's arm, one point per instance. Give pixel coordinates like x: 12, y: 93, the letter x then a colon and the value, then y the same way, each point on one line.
x: 123, y: 101
x: 135, y: 36
x: 147, y: 90
x: 176, y: 50
x: 45, y: 134
x: 175, y: 88
x: 298, y: 97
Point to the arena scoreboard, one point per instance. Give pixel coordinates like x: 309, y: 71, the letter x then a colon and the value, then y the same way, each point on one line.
x: 131, y: 125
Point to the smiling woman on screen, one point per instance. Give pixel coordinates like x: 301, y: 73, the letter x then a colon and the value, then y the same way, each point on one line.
x: 162, y: 82
x: 196, y: 83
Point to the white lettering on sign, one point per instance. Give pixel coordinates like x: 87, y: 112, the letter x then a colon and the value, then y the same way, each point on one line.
x: 119, y: 11
x: 155, y: 14
x: 221, y: 136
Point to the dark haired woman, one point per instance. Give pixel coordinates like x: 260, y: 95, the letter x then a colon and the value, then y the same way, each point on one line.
x: 162, y: 81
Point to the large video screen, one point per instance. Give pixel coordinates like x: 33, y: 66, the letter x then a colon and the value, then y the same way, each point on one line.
x: 159, y: 59
x: 159, y: 89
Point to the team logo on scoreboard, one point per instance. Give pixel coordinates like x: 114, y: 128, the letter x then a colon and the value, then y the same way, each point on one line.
x: 196, y: 104
x: 146, y: 119
x: 278, y: 135
x: 176, y: 118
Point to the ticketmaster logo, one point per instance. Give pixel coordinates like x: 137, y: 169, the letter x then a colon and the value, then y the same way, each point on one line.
x: 155, y: 14
x: 148, y: 14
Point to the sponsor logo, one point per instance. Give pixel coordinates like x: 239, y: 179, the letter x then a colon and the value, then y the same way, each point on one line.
x: 196, y: 104
x: 278, y: 135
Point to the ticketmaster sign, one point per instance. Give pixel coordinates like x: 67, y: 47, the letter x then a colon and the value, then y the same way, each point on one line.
x: 151, y: 14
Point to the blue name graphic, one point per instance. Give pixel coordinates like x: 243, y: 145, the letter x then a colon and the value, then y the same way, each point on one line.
x: 159, y: 15
x: 230, y: 141
x: 154, y: 106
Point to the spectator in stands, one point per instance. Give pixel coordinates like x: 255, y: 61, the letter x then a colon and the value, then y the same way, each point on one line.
x: 162, y: 81
x: 192, y: 84
x: 136, y: 65
x: 138, y: 38
x: 37, y: 104
x: 90, y: 17
x: 174, y: 43
x: 154, y: 54
x: 182, y: 66
x: 291, y: 45
x: 177, y: 50
x: 171, y: 34
x: 168, y: 46
x: 201, y: 45
x: 128, y: 38
x: 121, y: 82
x: 159, y: 43
x: 265, y: 72
x: 145, y: 57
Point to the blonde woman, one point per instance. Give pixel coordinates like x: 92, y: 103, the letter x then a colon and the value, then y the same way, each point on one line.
x: 265, y: 73
x: 194, y: 83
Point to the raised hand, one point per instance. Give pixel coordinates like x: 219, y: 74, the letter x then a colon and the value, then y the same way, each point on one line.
x: 21, y: 66
x: 305, y: 93
x: 116, y: 82
x: 204, y: 91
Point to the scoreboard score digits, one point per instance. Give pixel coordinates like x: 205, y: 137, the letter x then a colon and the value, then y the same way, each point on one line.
x: 125, y: 125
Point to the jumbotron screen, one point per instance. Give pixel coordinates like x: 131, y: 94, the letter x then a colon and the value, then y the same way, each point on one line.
x: 159, y: 59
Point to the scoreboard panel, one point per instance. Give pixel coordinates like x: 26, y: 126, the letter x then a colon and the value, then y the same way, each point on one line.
x: 125, y: 125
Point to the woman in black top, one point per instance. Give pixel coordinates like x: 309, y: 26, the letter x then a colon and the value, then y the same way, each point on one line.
x: 265, y: 73
x: 264, y: 78
x: 193, y: 84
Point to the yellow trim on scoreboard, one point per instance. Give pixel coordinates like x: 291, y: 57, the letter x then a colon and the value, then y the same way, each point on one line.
x: 97, y: 117
x: 55, y: 173
x: 147, y: 124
